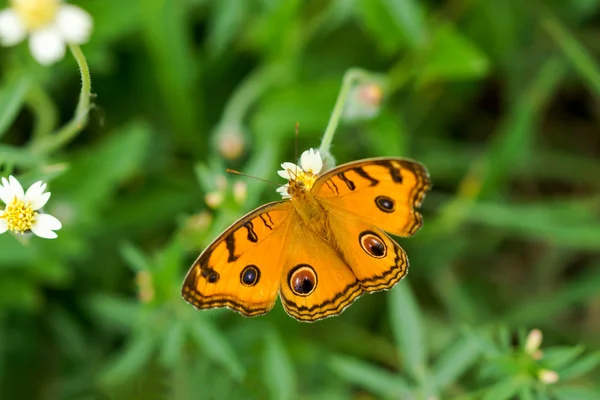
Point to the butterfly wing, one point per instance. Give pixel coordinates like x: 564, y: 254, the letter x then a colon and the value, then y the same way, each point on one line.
x: 241, y: 268
x: 325, y: 272
x: 380, y: 191
x: 315, y: 283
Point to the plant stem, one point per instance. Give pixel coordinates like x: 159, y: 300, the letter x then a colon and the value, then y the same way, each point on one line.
x: 68, y: 132
x: 350, y: 78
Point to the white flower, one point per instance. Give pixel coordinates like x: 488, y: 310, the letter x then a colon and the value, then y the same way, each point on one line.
x: 303, y: 175
x: 50, y: 24
x: 22, y: 212
x: 310, y: 162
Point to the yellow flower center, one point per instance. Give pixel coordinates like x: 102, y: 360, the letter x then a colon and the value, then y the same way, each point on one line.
x: 301, y: 183
x: 19, y: 216
x: 36, y: 13
x: 307, y: 178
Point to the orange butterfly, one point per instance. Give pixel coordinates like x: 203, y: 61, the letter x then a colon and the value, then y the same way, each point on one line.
x: 321, y: 247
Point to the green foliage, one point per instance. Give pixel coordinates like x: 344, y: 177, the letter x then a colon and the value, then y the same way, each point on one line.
x: 497, y: 98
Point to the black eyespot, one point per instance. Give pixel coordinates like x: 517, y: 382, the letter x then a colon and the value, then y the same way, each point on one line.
x: 385, y: 204
x: 213, y: 277
x: 250, y: 275
x: 372, y: 244
x: 302, y: 280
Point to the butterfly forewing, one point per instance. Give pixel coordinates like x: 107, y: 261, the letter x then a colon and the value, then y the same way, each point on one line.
x: 381, y: 191
x: 242, y: 267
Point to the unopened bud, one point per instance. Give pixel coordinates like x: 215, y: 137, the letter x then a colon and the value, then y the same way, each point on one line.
x: 230, y: 142
x: 143, y: 280
x: 199, y: 222
x: 213, y: 199
x: 533, y: 341
x: 364, y: 101
x: 547, y: 376
x: 240, y: 192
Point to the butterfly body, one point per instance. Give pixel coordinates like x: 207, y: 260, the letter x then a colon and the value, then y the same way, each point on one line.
x: 320, y: 249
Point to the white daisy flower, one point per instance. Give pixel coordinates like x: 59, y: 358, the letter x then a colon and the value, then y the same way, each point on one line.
x: 51, y: 25
x: 22, y: 212
x: 303, y: 176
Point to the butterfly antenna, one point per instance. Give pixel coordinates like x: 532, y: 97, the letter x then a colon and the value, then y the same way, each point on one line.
x: 233, y: 171
x: 296, y: 149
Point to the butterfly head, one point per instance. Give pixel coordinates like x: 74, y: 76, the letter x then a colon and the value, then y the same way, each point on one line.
x: 301, y: 178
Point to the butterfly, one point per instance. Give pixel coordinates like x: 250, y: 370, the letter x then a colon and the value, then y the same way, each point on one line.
x: 320, y: 247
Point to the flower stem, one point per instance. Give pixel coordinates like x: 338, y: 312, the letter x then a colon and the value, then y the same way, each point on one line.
x: 68, y: 132
x: 350, y: 78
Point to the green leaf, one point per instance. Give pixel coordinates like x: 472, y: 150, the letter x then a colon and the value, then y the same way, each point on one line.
x: 558, y: 357
x: 580, y: 367
x: 17, y: 156
x: 405, y: 320
x: 579, y: 56
x: 455, y: 360
x: 452, y: 57
x: 541, y: 221
x: 135, y: 257
x: 549, y: 306
x: 18, y: 293
x: 278, y: 369
x: 377, y: 380
x: 68, y: 333
x: 122, y: 313
x: 172, y: 346
x: 103, y: 167
x: 136, y: 355
x: 12, y: 97
x: 226, y: 22
x: 503, y: 390
x: 526, y: 393
x: 165, y: 32
x: 513, y: 142
x: 575, y: 392
x: 378, y: 22
x: 211, y: 341
x: 408, y: 17
x: 391, y: 135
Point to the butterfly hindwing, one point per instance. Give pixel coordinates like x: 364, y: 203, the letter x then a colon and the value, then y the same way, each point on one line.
x: 380, y: 191
x: 241, y: 268
x: 316, y: 282
x: 324, y: 272
x: 376, y: 260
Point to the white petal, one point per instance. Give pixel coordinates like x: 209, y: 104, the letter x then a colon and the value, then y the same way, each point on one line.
x: 44, y: 226
x: 287, y: 168
x: 74, y: 24
x: 35, y: 195
x: 3, y: 224
x: 12, y: 29
x: 284, y: 174
x: 283, y: 191
x: 16, y: 188
x: 40, y: 201
x: 47, y: 45
x: 4, y: 195
x: 311, y: 161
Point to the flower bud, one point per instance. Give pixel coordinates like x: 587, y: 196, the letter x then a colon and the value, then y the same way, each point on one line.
x: 547, y: 376
x: 230, y: 141
x: 240, y: 191
x: 364, y: 101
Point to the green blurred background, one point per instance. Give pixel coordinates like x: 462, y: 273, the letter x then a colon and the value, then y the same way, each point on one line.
x: 499, y: 99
